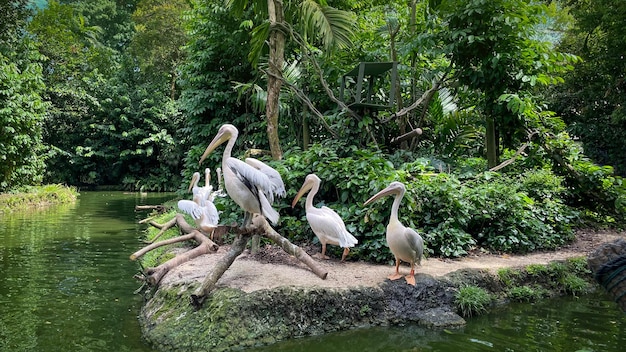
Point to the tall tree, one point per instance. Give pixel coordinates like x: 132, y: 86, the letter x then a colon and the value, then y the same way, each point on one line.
x: 492, y: 47
x: 159, y: 39
x: 317, y: 21
x: 593, y: 97
x: 22, y: 107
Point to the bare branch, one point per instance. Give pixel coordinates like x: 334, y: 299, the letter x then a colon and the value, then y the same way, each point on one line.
x: 517, y: 153
x: 425, y: 97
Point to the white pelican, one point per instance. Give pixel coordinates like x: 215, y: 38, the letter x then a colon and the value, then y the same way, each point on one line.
x: 246, y: 185
x: 220, y: 188
x: 405, y: 243
x: 325, y: 222
x: 201, y: 194
x: 201, y: 208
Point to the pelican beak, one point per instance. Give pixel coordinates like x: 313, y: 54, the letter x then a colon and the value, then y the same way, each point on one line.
x: 306, y: 186
x: 220, y: 138
x: 194, y: 178
x: 385, y: 192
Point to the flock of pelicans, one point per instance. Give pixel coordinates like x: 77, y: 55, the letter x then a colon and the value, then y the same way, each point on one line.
x: 253, y: 185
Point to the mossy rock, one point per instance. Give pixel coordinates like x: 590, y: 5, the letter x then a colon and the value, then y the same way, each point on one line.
x: 231, y: 319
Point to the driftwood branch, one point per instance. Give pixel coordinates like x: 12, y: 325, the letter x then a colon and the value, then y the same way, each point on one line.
x: 259, y: 226
x: 236, y: 248
x: 292, y: 249
x: 158, y: 208
x: 154, y: 275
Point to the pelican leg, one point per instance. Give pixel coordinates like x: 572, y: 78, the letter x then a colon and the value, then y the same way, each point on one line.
x: 323, y: 254
x: 247, y: 219
x: 410, y: 279
x: 397, y: 275
x: 345, y: 253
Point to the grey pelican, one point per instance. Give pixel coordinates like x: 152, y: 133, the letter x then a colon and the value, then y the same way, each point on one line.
x: 201, y: 208
x: 325, y: 222
x: 248, y: 186
x: 405, y: 243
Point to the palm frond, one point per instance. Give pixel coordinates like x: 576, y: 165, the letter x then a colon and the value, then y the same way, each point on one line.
x: 454, y: 131
x: 291, y: 72
x: 258, y: 39
x: 332, y: 27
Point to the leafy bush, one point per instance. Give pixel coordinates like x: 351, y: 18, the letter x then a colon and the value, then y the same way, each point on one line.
x: 518, y: 213
x: 35, y: 196
x: 501, y: 212
x: 472, y: 300
x: 526, y: 293
x: 504, y: 217
x: 508, y: 276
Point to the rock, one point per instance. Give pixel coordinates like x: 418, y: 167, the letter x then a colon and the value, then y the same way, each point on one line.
x: 234, y: 319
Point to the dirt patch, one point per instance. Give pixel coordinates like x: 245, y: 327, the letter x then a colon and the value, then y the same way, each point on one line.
x: 272, y: 267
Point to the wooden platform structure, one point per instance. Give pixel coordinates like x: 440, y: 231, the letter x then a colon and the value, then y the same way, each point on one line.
x: 376, y: 75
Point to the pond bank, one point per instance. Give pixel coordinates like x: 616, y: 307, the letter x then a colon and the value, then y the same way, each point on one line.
x: 260, y: 301
x: 37, y: 197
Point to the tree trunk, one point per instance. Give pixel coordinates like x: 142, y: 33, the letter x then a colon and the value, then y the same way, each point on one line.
x: 274, y: 79
x: 492, y: 145
x: 306, y: 134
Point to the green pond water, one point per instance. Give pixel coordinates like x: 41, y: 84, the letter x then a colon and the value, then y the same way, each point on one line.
x: 66, y: 284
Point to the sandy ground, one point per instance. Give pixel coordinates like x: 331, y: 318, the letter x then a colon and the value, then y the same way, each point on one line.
x: 272, y: 267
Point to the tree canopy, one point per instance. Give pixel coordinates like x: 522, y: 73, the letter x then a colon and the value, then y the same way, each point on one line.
x: 503, y: 95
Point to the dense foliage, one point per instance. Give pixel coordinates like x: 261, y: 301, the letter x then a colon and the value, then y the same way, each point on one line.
x: 592, y: 99
x: 22, y: 106
x: 454, y: 213
x: 130, y: 92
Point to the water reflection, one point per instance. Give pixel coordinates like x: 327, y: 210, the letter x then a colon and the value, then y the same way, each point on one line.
x: 65, y: 277
x: 588, y: 323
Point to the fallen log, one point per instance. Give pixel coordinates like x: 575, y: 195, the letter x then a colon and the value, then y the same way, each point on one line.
x: 159, y: 208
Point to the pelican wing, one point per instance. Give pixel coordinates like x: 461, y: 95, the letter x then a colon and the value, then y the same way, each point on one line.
x: 415, y: 242
x: 190, y: 207
x: 278, y: 186
x: 257, y: 183
x: 249, y: 175
x: 327, y: 223
x: 211, y: 213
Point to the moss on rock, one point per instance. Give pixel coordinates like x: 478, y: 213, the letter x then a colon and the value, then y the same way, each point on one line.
x: 232, y: 319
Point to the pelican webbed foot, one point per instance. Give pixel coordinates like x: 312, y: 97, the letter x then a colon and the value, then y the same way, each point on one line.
x: 321, y: 256
x: 395, y: 276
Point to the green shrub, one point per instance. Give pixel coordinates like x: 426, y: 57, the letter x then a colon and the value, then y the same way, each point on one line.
x: 36, y: 196
x: 508, y: 276
x: 515, y: 213
x: 574, y: 285
x: 472, y: 300
x: 578, y: 265
x: 526, y: 293
x: 537, y: 270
